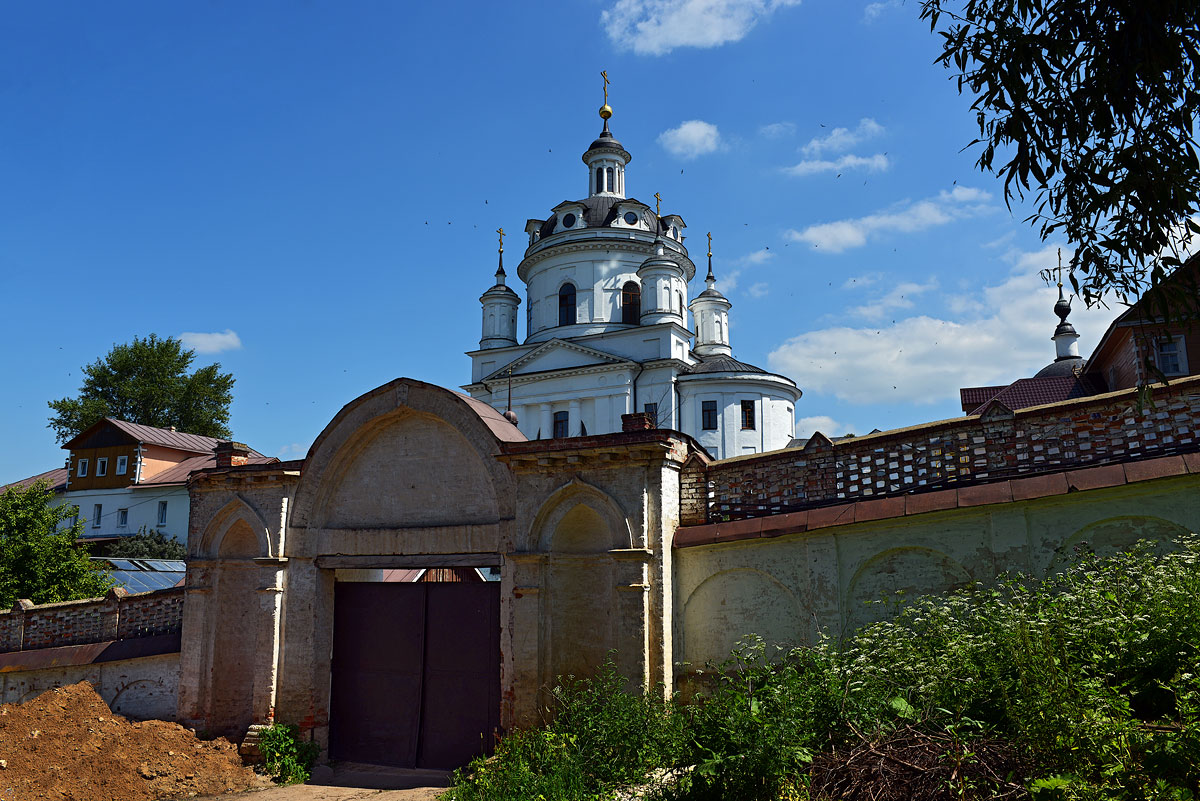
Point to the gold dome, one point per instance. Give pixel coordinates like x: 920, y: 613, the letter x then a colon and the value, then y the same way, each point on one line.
x: 605, y: 111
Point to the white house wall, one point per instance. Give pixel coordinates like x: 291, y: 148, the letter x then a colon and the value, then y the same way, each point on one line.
x: 142, y: 504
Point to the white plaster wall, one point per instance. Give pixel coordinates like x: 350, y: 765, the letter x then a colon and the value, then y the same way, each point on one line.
x: 142, y: 503
x: 774, y: 413
x: 143, y: 688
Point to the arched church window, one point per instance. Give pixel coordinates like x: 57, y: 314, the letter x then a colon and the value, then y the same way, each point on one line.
x: 566, y: 305
x: 562, y: 423
x: 608, y: 179
x: 679, y: 297
x: 631, y: 303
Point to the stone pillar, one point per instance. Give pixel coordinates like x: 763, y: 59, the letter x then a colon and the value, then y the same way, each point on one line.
x: 110, y: 613
x: 547, y: 422
x: 194, y: 650
x: 526, y: 605
x: 266, y: 662
x: 573, y: 419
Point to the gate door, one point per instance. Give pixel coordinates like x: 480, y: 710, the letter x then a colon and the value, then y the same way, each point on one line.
x: 416, y: 673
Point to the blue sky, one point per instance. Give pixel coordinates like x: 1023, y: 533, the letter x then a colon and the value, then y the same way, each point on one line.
x: 308, y: 194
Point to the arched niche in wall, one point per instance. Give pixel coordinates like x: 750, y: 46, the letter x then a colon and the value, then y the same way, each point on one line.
x: 1115, y: 534
x: 213, y: 540
x: 895, y: 575
x: 580, y: 616
x: 731, y: 604
x: 234, y: 628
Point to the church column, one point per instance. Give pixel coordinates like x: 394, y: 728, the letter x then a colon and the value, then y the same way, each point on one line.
x: 573, y: 419
x: 547, y: 422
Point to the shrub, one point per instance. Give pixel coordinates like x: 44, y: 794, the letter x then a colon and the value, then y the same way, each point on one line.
x: 285, y: 756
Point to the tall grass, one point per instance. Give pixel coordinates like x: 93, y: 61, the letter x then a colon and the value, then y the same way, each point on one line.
x: 1090, y: 675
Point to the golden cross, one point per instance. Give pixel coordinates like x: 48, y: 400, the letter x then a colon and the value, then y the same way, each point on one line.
x: 658, y: 204
x: 501, y: 232
x: 604, y: 75
x: 710, y: 243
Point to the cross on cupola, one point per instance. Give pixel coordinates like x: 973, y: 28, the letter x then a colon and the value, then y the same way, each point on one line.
x: 605, y: 157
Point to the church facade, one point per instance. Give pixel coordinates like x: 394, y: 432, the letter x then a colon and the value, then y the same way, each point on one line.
x: 607, y: 328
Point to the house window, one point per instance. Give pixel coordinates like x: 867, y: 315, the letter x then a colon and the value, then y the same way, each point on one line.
x: 122, y: 465
x: 97, y: 513
x: 747, y: 415
x: 651, y: 410
x: 102, y: 466
x: 561, y: 425
x: 82, y: 472
x: 162, y: 513
x: 631, y: 303
x: 566, y: 304
x: 708, y: 415
x: 1170, y: 356
x: 122, y: 518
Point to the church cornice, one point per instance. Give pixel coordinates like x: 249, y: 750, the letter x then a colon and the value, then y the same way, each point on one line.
x: 608, y: 239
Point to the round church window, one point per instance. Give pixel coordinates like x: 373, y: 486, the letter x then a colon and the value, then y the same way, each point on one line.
x: 630, y: 218
x: 569, y: 221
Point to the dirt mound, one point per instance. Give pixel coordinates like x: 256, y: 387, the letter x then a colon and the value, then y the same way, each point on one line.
x: 67, y: 745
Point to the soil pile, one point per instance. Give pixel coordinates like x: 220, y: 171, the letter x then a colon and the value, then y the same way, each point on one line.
x: 67, y: 745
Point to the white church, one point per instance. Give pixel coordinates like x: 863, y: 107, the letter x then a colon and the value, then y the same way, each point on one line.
x: 607, y: 332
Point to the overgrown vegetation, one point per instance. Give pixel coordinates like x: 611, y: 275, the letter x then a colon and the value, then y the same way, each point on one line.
x: 38, y: 560
x: 286, y: 757
x: 147, y: 545
x: 1081, y: 686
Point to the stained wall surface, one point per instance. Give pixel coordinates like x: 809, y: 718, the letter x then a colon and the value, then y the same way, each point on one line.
x: 143, y: 688
x: 790, y: 588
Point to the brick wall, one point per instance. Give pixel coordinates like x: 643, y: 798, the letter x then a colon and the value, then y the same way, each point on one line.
x: 116, y: 616
x: 997, y: 444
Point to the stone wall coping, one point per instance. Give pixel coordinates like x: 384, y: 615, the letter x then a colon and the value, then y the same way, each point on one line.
x: 125, y: 598
x: 997, y: 492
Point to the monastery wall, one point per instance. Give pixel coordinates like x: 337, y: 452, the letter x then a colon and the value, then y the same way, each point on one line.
x: 800, y: 575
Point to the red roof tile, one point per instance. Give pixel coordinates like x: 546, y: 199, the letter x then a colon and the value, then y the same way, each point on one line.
x: 1026, y: 392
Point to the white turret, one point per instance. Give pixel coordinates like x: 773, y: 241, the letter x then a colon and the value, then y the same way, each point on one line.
x: 710, y: 310
x: 499, y: 310
x: 663, y: 284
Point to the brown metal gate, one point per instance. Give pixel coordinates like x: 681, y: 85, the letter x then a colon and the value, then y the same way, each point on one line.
x: 416, y: 673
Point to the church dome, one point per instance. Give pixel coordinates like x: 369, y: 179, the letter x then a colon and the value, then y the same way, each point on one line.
x: 600, y: 211
x: 1066, y: 368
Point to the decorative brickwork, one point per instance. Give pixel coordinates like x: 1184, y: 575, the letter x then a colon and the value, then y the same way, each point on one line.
x: 996, y: 444
x: 117, y: 616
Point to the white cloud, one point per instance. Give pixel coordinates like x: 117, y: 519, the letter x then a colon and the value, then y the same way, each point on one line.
x: 927, y: 359
x: 758, y: 290
x: 841, y: 139
x: 296, y: 450
x: 807, y: 426
x: 656, y: 27
x: 777, y: 130
x: 862, y: 281
x: 900, y: 297
x: 873, y: 10
x: 848, y: 162
x: 835, y: 237
x: 211, y: 343
x: 691, y: 139
x: 759, y: 256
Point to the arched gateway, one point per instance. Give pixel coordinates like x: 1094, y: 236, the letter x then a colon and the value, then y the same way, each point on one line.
x: 422, y: 576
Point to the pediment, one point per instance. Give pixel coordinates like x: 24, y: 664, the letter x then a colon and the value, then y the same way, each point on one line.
x: 558, y: 354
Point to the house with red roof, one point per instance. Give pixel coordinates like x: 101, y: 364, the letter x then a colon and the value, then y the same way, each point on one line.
x: 125, y: 477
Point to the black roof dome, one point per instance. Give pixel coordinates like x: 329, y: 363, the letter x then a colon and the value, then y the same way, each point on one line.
x: 1070, y: 366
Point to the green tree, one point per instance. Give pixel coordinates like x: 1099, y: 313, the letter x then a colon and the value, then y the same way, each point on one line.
x: 147, y: 545
x: 37, y: 560
x: 147, y: 382
x: 1092, y: 106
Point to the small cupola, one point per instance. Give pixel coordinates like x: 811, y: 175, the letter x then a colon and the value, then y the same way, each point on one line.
x: 499, y: 309
x: 710, y: 310
x: 1066, y: 340
x: 663, y: 284
x: 606, y: 158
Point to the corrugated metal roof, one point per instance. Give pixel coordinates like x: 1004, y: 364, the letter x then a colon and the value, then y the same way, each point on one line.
x: 167, y: 438
x: 56, y: 478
